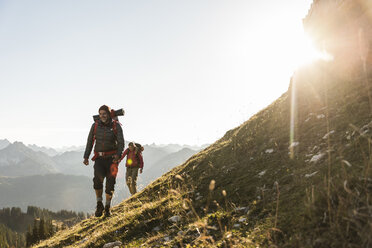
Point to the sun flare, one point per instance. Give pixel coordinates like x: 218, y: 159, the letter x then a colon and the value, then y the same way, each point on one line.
x: 306, y: 53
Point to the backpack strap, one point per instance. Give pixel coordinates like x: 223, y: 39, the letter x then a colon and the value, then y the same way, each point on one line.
x: 95, y: 131
x: 114, y: 127
x: 114, y: 123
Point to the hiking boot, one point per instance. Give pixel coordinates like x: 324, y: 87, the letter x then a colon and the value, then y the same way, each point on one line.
x: 99, y: 209
x: 107, y: 211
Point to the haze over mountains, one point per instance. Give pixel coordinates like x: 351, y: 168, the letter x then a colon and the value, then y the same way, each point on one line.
x: 4, y: 143
x: 50, y: 191
x: 18, y: 160
x: 167, y: 163
x: 49, y: 178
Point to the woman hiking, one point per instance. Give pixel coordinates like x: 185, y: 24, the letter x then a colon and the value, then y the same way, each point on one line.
x: 134, y: 163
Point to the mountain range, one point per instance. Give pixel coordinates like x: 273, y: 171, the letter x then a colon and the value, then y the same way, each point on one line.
x: 18, y: 160
x: 4, y: 143
x: 31, y: 164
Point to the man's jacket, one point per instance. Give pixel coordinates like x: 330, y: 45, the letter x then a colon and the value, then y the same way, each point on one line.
x: 133, y: 159
x: 105, y: 139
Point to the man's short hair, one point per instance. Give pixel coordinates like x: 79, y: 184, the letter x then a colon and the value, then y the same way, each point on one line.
x: 105, y: 108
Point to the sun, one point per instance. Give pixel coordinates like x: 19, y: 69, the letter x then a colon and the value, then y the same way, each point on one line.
x: 276, y: 52
x: 305, y: 53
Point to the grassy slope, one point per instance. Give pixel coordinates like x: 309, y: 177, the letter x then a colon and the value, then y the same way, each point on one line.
x: 274, y: 199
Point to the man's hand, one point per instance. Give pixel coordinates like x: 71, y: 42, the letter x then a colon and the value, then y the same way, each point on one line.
x: 86, y: 161
x: 141, y: 170
x: 116, y: 158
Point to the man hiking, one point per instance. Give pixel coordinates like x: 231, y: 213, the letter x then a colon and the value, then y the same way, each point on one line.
x: 134, y: 163
x: 108, y: 136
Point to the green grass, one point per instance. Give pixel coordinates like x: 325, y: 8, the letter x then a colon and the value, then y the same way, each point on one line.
x: 289, y: 202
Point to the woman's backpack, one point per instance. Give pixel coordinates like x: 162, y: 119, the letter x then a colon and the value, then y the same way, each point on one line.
x: 138, y: 148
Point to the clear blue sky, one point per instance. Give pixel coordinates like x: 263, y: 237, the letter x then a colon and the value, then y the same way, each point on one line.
x: 185, y: 71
